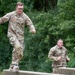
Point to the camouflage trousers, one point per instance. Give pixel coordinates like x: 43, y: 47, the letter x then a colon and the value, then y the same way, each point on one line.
x: 17, y: 53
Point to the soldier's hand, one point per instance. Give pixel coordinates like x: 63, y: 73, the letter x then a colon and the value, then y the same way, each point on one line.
x: 59, y: 58
x: 68, y: 59
x: 33, y: 31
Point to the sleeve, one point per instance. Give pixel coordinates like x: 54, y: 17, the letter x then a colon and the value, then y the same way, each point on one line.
x: 67, y: 55
x: 5, y: 18
x: 51, y: 55
x: 30, y: 24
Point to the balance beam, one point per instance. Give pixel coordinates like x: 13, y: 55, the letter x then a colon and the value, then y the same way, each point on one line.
x: 7, y: 72
x: 67, y: 71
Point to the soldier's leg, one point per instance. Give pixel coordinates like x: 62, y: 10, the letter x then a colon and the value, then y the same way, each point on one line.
x: 17, y: 54
x: 16, y: 57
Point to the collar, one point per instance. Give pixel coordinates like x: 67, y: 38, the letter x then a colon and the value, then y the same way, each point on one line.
x: 58, y: 47
x: 17, y: 14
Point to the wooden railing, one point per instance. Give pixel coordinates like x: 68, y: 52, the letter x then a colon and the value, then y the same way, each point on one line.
x: 67, y: 71
x: 7, y: 72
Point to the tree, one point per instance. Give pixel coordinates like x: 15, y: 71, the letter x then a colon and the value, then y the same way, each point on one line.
x: 45, y: 5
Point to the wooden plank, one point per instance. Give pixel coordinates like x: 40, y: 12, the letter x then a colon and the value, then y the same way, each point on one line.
x: 67, y: 71
x: 7, y: 72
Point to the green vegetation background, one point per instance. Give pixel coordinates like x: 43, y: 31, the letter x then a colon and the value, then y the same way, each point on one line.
x: 52, y: 22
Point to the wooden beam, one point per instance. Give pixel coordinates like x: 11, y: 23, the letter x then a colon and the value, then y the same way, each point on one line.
x: 7, y: 72
x: 67, y: 71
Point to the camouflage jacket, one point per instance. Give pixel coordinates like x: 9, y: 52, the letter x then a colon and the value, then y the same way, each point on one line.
x: 16, y: 24
x: 54, y: 53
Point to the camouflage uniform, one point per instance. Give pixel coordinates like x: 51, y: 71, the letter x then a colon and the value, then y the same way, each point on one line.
x: 54, y: 53
x: 16, y: 33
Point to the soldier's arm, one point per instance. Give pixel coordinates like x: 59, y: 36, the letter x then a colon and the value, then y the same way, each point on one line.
x: 5, y: 18
x: 51, y: 55
x: 30, y: 25
x: 67, y: 58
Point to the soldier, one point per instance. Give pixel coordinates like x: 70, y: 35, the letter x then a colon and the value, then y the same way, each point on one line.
x: 59, y: 56
x: 17, y: 20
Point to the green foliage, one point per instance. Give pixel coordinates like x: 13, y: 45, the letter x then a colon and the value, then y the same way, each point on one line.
x: 5, y: 51
x: 50, y: 27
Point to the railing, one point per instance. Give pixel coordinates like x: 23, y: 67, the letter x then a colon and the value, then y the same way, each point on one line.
x: 67, y: 71
x: 7, y: 72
